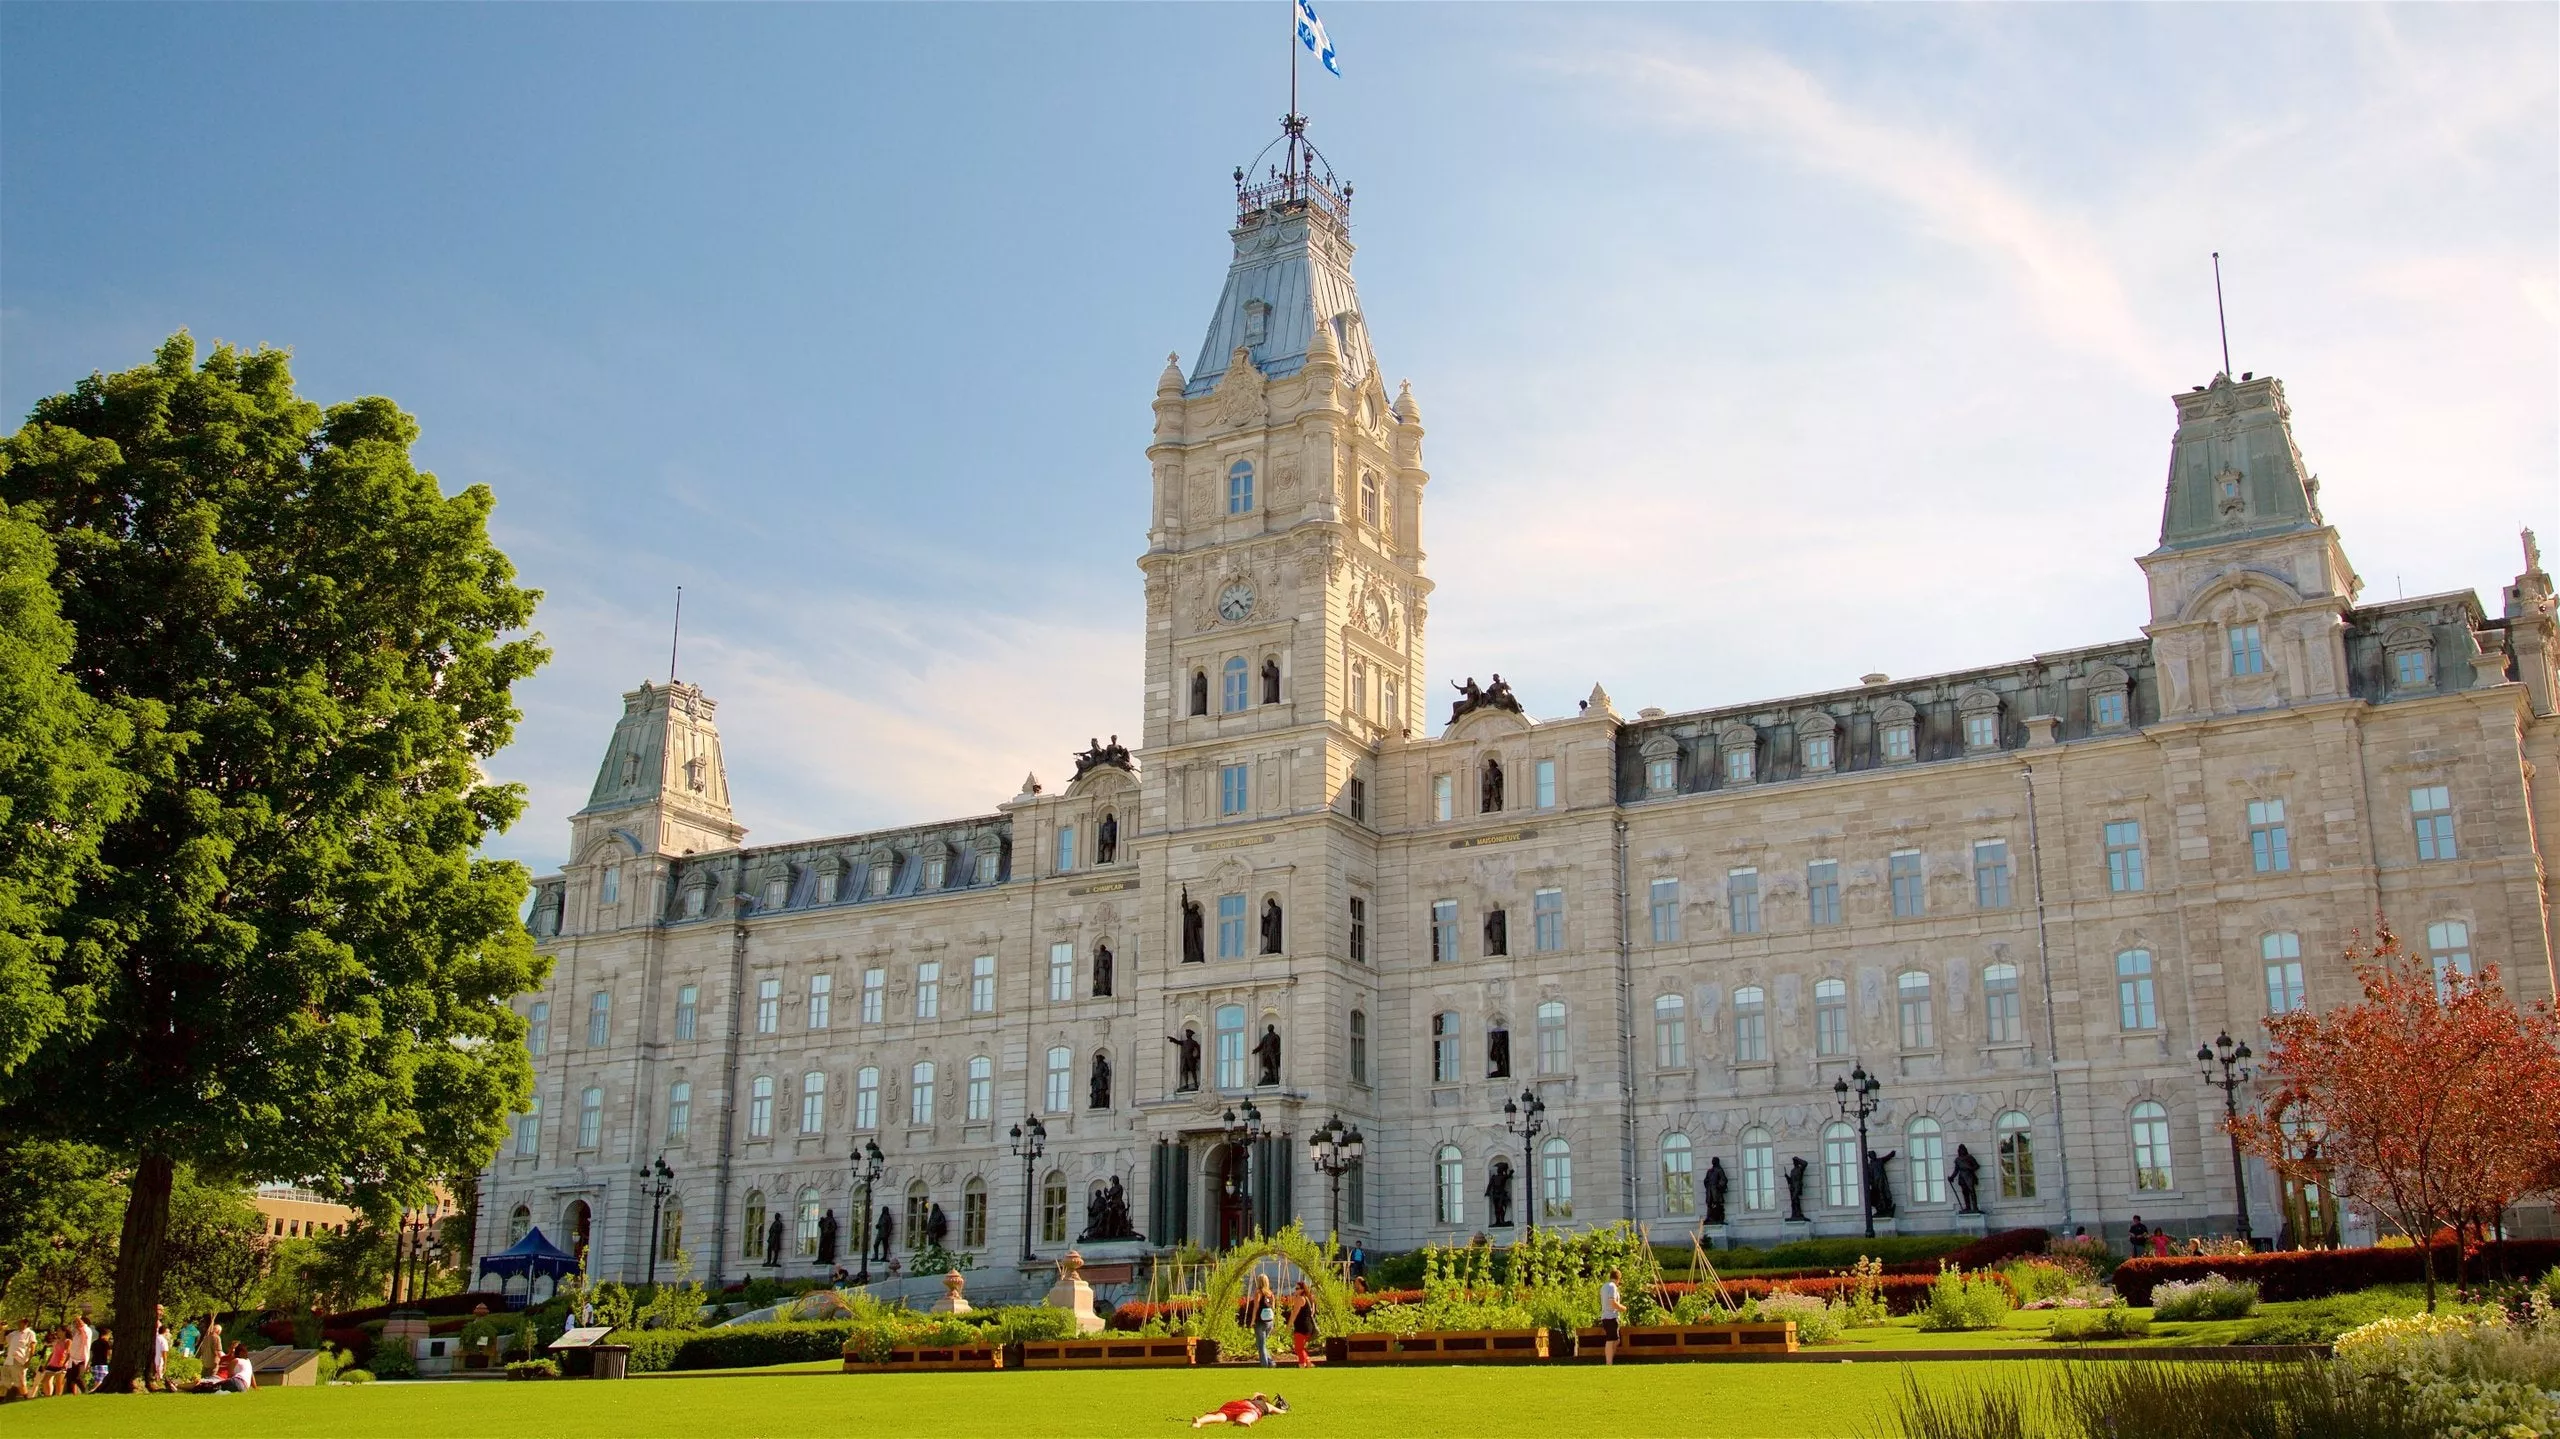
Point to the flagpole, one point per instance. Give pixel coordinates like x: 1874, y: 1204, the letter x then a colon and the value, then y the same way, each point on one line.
x: 1292, y: 157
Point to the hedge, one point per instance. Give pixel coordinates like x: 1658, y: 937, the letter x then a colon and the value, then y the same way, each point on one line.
x: 735, y: 1346
x: 441, y: 1305
x: 2313, y: 1273
x: 1901, y: 1293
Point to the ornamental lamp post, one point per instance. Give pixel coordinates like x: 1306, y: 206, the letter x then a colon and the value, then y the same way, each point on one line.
x: 2233, y: 1062
x: 657, y: 1182
x: 1526, y: 1116
x: 1863, y: 1087
x: 1335, y: 1150
x: 866, y: 1167
x: 1029, y: 1141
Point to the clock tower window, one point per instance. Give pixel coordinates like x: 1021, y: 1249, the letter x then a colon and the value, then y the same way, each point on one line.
x: 1236, y: 697
x: 1240, y: 488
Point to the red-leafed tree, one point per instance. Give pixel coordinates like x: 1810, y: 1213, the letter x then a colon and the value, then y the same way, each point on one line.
x: 2428, y: 1101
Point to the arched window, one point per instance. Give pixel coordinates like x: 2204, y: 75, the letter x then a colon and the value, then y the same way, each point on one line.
x: 866, y: 1098
x: 920, y: 1093
x: 1919, y: 1015
x: 1240, y: 488
x: 1679, y: 1185
x: 1228, y: 1022
x: 1053, y: 1208
x: 2151, y: 1164
x: 1750, y: 1025
x: 760, y: 1107
x: 1670, y: 1031
x: 590, y: 1117
x: 2000, y: 1004
x: 982, y: 1089
x: 813, y: 1101
x: 1759, y: 1170
x: 1199, y: 692
x: 1830, y: 1018
x: 1555, y: 1179
x: 1927, y: 1149
x: 1370, y: 503
x: 1359, y: 686
x: 919, y: 1213
x: 1451, y: 1205
x: 754, y: 1217
x: 1840, y: 1163
x: 1271, y: 680
x: 2017, y: 1156
x: 804, y: 1230
x: 671, y: 1231
x: 1235, y: 688
x: 519, y: 1223
x: 973, y: 1214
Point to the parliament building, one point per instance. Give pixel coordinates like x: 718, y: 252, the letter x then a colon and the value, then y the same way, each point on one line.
x: 2018, y: 896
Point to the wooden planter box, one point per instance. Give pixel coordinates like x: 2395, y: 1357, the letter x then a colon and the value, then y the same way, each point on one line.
x: 1176, y: 1352
x: 906, y: 1360
x: 1694, y: 1341
x: 1456, y: 1346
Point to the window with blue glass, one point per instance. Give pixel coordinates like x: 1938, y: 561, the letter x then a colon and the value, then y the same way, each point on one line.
x: 1238, y: 685
x: 1231, y: 789
x: 1230, y: 926
x: 1240, y: 487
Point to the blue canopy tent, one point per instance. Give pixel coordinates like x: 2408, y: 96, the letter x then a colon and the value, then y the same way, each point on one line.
x: 528, y: 1258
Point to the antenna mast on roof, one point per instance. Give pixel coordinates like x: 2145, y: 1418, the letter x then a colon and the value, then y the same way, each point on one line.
x: 677, y: 637
x: 2218, y: 317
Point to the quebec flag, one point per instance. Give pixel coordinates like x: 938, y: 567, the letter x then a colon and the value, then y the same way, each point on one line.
x: 1311, y: 34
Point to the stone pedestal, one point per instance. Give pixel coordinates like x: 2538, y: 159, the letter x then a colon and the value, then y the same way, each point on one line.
x: 1717, y: 1236
x: 434, y: 1355
x: 1074, y: 1295
x: 1976, y: 1224
x: 952, y: 1300
x: 1791, y: 1230
x: 1886, y: 1228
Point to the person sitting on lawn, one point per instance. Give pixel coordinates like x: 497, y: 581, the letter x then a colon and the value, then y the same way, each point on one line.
x: 1242, y: 1411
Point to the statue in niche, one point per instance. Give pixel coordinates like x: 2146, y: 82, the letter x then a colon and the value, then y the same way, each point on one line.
x: 1271, y: 682
x: 1194, y: 948
x: 827, y: 1240
x: 1717, y: 1183
x: 1271, y: 926
x: 1102, y: 971
x: 1106, y: 842
x: 1796, y: 1168
x: 773, y: 1243
x: 1106, y: 1214
x: 1880, y: 1183
x: 1098, y: 1093
x: 1187, y: 1059
x: 1497, y: 1193
x: 1497, y: 932
x: 1491, y: 799
x: 882, y: 1230
x: 1267, y: 1050
x: 937, y: 1228
x: 1199, y: 692
x: 1497, y: 1053
x: 1967, y: 1178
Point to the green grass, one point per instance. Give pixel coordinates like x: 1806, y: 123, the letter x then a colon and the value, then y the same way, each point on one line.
x: 1772, y: 1400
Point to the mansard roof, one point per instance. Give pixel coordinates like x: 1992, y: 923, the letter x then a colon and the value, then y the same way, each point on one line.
x: 2234, y: 470
x: 1291, y: 273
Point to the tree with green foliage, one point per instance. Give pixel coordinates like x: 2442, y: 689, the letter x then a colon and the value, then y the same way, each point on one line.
x: 289, y: 960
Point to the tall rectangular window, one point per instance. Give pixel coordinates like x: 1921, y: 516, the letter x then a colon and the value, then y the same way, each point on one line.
x: 1546, y: 782
x: 611, y: 890
x: 2281, y: 952
x: 920, y: 1092
x: 1908, y: 897
x: 1918, y: 1012
x: 1553, y: 1056
x: 760, y: 1107
x: 1062, y: 972
x: 1231, y: 789
x: 1991, y: 874
x: 688, y: 1009
x: 1359, y: 929
x: 1228, y: 1022
x: 590, y: 1118
x: 1547, y: 914
x: 2431, y: 812
x: 537, y: 1029
x: 599, y: 1019
x: 1742, y: 900
x: 768, y: 1006
x: 2270, y: 847
x: 1057, y: 1088
x: 529, y: 1129
x: 1445, y: 1039
x: 1231, y: 926
x: 1240, y: 487
x: 2000, y: 1004
x: 2248, y: 650
x: 1830, y: 1018
x: 2137, y: 1006
x: 1356, y: 795
x: 822, y: 999
x: 929, y: 989
x: 1759, y: 1170
x: 813, y: 1101
x: 1359, y: 1046
x: 875, y: 995
x: 2124, y: 856
x: 1822, y: 891
x: 1444, y: 930
x: 1066, y: 848
x: 981, y: 1093
x: 1665, y: 894
x: 982, y: 984
x: 1444, y: 798
x: 679, y: 1111
x: 1750, y: 1025
x: 866, y: 1099
x: 1670, y: 1032
x: 2449, y: 951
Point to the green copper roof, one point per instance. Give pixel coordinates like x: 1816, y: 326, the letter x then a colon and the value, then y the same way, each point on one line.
x: 2234, y: 472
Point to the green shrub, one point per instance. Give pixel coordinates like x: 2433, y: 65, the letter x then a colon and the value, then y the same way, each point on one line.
x: 1030, y: 1324
x: 1396, y: 1319
x: 1816, y: 1321
x: 2159, y: 1401
x: 392, y: 1360
x: 184, y: 1369
x: 533, y: 1369
x: 353, y: 1376
x: 736, y: 1346
x: 2033, y: 1279
x: 2212, y: 1297
x: 1965, y: 1301
x: 2114, y: 1321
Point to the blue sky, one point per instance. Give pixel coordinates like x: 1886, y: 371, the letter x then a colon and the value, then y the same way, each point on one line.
x: 1759, y: 347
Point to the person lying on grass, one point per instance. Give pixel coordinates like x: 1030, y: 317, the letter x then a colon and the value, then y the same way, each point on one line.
x: 1243, y: 1411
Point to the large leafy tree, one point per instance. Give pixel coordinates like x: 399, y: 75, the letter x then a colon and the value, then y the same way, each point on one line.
x: 289, y: 962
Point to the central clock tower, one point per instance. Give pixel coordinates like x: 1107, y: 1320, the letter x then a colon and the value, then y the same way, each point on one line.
x: 1285, y: 608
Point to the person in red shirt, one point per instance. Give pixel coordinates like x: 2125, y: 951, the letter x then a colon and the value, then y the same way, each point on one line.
x: 1242, y: 1411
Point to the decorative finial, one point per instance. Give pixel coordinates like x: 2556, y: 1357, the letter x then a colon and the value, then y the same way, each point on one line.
x: 1406, y: 409
x: 1171, y: 379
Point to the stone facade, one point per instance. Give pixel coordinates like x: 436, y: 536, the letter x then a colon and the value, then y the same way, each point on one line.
x: 2020, y: 895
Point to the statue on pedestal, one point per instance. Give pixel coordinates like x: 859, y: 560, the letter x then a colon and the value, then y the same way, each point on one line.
x: 1187, y: 1059
x: 1271, y: 940
x: 1098, y: 1093
x: 1716, y: 1185
x: 1106, y: 1215
x: 827, y: 1239
x: 1102, y: 971
x: 1967, y: 1178
x: 773, y: 1243
x: 1194, y: 949
x: 1497, y: 1193
x: 1106, y: 844
x: 1880, y: 1183
x: 1795, y: 1189
x: 1268, y: 1052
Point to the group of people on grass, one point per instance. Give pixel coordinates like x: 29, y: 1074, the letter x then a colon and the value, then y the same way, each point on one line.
x: 73, y: 1358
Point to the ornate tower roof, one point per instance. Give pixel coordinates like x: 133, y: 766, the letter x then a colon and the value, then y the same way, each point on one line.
x: 1291, y: 272
x: 2234, y: 471
x: 662, y: 783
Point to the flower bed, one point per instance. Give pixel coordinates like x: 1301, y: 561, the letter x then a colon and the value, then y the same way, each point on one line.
x: 1179, y: 1351
x: 1901, y: 1293
x: 1137, y: 1313
x: 1455, y: 1346
x: 2315, y: 1273
x: 1693, y: 1341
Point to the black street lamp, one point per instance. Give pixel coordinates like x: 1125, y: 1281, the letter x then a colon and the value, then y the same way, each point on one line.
x: 657, y: 1182
x: 1335, y: 1150
x: 1526, y: 1116
x: 1029, y: 1140
x: 410, y: 1242
x: 1857, y: 1095
x: 2233, y: 1061
x: 866, y: 1167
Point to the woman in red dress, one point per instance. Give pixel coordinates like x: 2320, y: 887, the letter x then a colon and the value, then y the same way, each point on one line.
x: 1242, y: 1411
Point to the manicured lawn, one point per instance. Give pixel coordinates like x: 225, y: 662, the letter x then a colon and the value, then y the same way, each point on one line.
x: 1687, y: 1399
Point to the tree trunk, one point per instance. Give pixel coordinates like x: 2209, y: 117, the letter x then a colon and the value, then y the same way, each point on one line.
x: 2427, y: 1266
x: 142, y: 1256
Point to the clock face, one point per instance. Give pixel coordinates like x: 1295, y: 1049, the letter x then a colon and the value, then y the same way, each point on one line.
x: 1235, y: 602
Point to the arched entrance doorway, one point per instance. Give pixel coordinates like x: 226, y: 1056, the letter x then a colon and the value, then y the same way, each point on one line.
x: 1230, y: 1195
x: 578, y: 1224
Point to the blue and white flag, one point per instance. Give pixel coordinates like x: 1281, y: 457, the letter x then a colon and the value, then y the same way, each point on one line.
x: 1311, y: 34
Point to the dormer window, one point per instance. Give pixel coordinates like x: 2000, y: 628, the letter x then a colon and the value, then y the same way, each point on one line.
x: 2409, y: 659
x: 1240, y: 488
x: 1817, y: 744
x: 1898, y: 732
x: 609, y: 891
x: 884, y: 868
x: 1981, y: 711
x: 2248, y: 650
x: 830, y: 881
x: 1661, y: 765
x: 696, y: 897
x: 777, y: 892
x: 2109, y: 707
x: 1740, y: 745
x: 937, y: 871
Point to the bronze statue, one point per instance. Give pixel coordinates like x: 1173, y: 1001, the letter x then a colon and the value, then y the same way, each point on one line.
x: 1496, y: 696
x: 1795, y: 1188
x: 1271, y: 681
x: 1490, y: 801
x: 1199, y: 692
x: 1497, y: 1053
x: 1099, y: 1091
x: 1187, y: 1048
x: 882, y: 1230
x: 1106, y: 1215
x: 1194, y: 950
x: 773, y: 1243
x: 1497, y: 932
x: 1717, y: 1181
x: 1096, y: 753
x: 1268, y: 1051
x: 1880, y: 1183
x: 936, y: 1227
x: 1967, y: 1178
x: 1102, y: 971
x: 1106, y: 842
x: 1497, y: 1192
x: 827, y: 1238
x: 1271, y: 926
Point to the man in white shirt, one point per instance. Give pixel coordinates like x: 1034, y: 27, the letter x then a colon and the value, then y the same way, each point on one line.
x: 1611, y: 1311
x: 17, y: 1361
x: 82, y: 1337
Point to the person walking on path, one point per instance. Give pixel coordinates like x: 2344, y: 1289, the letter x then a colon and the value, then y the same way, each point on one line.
x: 187, y: 1337
x: 83, y: 1340
x: 1611, y: 1311
x: 1262, y: 1305
x: 18, y: 1361
x: 57, y: 1361
x: 2138, y: 1238
x: 1302, y: 1322
x: 211, y: 1349
x: 159, y: 1356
